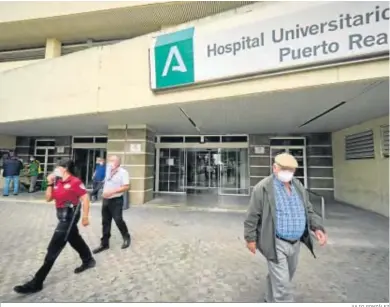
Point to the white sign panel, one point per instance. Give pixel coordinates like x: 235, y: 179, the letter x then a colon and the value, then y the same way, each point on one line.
x: 314, y: 34
x: 135, y: 148
x: 259, y: 150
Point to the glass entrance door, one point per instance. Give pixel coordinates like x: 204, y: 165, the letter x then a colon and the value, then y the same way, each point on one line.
x: 45, y: 156
x: 171, y: 168
x: 299, y: 152
x: 202, y: 169
x: 234, y: 174
x: 85, y: 161
x: 195, y: 170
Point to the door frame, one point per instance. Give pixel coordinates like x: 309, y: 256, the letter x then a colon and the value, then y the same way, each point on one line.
x: 157, y: 173
x: 196, y: 151
x: 237, y: 150
x: 303, y: 148
x: 101, y: 154
x: 45, y: 163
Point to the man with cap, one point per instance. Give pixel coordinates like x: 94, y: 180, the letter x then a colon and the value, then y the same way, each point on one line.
x: 279, y: 217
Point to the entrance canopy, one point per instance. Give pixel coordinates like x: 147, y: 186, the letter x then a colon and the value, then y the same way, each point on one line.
x: 315, y: 109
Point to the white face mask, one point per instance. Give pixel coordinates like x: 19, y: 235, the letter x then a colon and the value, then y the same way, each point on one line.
x: 285, y: 176
x: 57, y: 173
x: 111, y: 165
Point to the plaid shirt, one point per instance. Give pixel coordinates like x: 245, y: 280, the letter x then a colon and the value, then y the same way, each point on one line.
x: 290, y: 212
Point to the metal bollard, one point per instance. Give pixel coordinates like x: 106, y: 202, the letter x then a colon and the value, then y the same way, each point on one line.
x: 323, y: 208
x: 126, y: 200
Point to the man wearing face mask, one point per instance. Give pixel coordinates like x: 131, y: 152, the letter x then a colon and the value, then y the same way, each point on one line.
x: 116, y: 183
x: 33, y: 172
x: 98, y: 178
x: 279, y: 217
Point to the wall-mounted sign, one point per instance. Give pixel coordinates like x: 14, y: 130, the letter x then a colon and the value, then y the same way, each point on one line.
x: 60, y: 149
x: 135, y: 148
x: 259, y: 150
x: 319, y: 33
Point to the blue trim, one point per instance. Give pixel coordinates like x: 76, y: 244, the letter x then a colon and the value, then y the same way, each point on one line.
x: 174, y: 37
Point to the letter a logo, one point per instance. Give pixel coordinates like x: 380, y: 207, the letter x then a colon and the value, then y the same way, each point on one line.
x: 173, y: 57
x: 174, y: 52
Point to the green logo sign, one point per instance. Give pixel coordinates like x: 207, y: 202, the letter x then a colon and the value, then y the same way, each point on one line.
x: 174, y: 59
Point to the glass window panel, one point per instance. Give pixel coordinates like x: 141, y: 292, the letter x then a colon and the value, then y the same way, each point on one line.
x: 287, y: 142
x: 234, y: 139
x: 171, y: 139
x: 40, y: 159
x: 192, y: 139
x: 45, y: 143
x: 78, y: 140
x: 40, y: 152
x: 212, y: 139
x: 50, y: 168
x: 101, y: 140
x: 234, y: 172
x: 164, y: 170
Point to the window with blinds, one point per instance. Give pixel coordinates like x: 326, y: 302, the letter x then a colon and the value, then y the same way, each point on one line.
x: 385, y: 141
x: 360, y: 146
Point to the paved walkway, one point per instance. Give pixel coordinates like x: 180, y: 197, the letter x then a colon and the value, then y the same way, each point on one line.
x: 189, y: 256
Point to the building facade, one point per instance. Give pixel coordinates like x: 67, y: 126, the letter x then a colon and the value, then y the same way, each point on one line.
x: 199, y: 97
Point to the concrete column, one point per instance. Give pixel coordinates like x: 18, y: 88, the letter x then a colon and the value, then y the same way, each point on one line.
x: 53, y: 48
x: 135, y: 145
x: 7, y: 142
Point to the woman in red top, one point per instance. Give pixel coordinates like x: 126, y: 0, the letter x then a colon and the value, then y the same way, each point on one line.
x: 67, y: 192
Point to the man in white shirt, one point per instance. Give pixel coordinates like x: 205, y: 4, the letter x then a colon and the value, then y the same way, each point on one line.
x: 116, y: 183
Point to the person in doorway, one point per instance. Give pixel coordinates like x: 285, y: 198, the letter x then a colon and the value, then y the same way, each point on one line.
x: 116, y: 183
x: 33, y: 172
x: 279, y: 217
x: 67, y: 193
x: 12, y: 168
x: 98, y: 178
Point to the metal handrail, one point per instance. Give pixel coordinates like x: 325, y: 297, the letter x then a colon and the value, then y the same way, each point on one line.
x: 322, y: 203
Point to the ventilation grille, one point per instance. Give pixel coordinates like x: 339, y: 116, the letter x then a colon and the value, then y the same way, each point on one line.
x: 385, y: 141
x: 360, y: 146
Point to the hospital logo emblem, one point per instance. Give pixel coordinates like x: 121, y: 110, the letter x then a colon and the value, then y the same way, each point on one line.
x: 174, y: 59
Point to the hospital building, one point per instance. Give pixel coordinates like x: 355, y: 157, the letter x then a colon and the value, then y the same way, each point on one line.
x: 197, y: 97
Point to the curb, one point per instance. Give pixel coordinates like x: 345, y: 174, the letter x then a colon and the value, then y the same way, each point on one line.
x: 193, y: 208
x: 15, y: 200
x: 180, y: 207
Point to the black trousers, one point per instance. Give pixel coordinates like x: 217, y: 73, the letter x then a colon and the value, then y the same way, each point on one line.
x: 96, y: 186
x: 57, y: 242
x: 113, y: 209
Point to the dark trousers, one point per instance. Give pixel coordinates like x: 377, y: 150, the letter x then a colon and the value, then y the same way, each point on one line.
x: 57, y: 242
x: 96, y: 186
x: 113, y: 209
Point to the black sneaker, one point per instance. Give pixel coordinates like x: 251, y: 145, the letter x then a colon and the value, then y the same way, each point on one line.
x: 100, y: 249
x: 29, y: 287
x: 85, y: 266
x: 126, y: 242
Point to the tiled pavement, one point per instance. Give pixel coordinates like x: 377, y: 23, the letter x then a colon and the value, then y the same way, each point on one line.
x: 188, y: 256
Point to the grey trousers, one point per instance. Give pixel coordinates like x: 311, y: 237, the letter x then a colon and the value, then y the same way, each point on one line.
x: 33, y: 182
x: 279, y: 287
